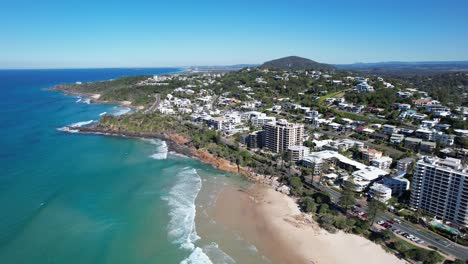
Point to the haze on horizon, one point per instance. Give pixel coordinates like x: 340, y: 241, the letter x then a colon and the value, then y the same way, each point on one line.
x: 80, y: 34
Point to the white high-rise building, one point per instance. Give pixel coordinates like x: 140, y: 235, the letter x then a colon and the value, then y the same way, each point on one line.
x: 280, y: 135
x: 440, y: 187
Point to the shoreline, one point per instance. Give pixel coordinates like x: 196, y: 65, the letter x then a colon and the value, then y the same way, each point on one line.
x: 285, y: 230
x: 274, y: 223
x: 268, y: 218
x: 178, y: 143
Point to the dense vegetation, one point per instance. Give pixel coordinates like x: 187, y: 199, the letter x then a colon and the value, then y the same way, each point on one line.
x: 448, y: 88
x: 297, y: 63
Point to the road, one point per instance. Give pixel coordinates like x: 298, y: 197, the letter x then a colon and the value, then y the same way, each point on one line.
x: 155, y: 105
x: 441, y: 243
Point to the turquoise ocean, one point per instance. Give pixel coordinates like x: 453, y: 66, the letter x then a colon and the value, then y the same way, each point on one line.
x: 83, y: 198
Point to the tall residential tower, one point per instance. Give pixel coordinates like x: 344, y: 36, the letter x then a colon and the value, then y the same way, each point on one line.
x: 440, y: 187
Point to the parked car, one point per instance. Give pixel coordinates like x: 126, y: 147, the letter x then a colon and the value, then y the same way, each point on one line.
x: 397, y: 220
x: 380, y: 222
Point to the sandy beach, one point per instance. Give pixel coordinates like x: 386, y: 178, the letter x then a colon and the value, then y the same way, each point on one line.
x: 273, y: 223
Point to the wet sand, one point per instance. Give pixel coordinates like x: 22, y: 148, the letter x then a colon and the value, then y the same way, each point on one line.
x: 273, y: 223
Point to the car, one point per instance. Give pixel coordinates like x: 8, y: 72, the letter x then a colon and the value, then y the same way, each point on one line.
x: 380, y: 222
x: 397, y: 220
x: 420, y: 241
x: 361, y: 213
x: 391, y: 222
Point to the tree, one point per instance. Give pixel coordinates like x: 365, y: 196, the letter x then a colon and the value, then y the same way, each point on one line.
x: 296, y: 184
x: 309, y: 205
x: 347, y: 196
x: 373, y: 208
x: 324, y: 208
x: 326, y: 221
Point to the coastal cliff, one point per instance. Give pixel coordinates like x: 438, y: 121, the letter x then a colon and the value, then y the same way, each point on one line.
x: 181, y: 144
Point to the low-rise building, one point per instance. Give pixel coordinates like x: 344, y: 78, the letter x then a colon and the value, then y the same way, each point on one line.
x: 412, y: 143
x: 297, y: 153
x: 398, y: 185
x: 364, y: 87
x: 364, y: 177
x: 397, y: 138
x: 382, y: 162
x: 315, y: 160
x: 403, y: 165
x: 255, y: 139
x: 427, y: 146
x: 380, y: 192
x: 389, y: 129
x: 368, y: 154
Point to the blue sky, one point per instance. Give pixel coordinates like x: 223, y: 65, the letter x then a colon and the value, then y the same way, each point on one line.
x: 138, y: 33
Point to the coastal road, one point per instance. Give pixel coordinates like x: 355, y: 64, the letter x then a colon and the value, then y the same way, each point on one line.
x: 437, y: 241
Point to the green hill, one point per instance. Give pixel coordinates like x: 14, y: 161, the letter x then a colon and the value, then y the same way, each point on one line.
x: 296, y: 63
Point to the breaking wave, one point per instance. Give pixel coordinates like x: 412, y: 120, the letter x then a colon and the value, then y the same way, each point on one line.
x: 120, y: 110
x: 83, y: 100
x: 181, y: 227
x: 162, y: 150
x: 70, y: 127
x: 181, y: 200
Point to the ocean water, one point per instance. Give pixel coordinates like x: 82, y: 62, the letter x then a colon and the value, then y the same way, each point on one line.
x: 79, y: 198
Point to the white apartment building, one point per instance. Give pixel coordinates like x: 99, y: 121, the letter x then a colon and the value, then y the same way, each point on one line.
x: 364, y: 87
x: 382, y: 162
x: 440, y: 187
x: 262, y: 120
x: 397, y: 184
x: 380, y: 192
x: 280, y: 135
x: 297, y: 153
x: 403, y: 165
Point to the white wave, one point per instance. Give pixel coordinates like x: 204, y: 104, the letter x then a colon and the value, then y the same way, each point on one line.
x: 173, y: 153
x: 82, y: 123
x: 197, y: 257
x: 216, y: 255
x: 161, y: 152
x: 67, y: 129
x: 70, y: 127
x: 181, y: 200
x: 120, y: 110
x: 103, y: 113
x: 253, y: 248
x: 150, y: 140
x: 81, y: 99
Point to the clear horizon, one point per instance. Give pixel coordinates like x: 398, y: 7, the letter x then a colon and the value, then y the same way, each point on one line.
x: 143, y: 34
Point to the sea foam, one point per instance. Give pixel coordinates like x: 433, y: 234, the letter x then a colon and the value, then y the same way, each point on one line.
x: 117, y: 110
x: 80, y: 99
x: 181, y: 200
x: 197, y: 257
x: 70, y: 127
x: 161, y: 152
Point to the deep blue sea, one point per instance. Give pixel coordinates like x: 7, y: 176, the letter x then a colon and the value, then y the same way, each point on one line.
x: 82, y: 198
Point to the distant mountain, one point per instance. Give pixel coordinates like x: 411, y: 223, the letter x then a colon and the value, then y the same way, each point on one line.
x: 405, y: 68
x: 297, y: 63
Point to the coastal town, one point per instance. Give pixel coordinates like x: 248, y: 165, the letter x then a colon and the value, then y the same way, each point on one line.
x: 366, y: 154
